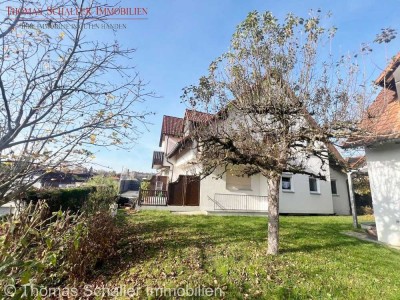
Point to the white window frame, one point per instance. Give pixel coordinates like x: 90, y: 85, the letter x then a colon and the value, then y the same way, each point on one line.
x: 318, y: 191
x: 337, y: 194
x: 291, y: 190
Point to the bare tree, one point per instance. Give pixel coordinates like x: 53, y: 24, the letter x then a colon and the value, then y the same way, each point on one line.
x: 61, y: 92
x: 278, y: 104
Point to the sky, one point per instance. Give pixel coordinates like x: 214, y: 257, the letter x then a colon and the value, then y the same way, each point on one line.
x: 180, y: 38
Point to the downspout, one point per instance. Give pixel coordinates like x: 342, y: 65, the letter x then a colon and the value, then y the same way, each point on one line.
x: 352, y: 200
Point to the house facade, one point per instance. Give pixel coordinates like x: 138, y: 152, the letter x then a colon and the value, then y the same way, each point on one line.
x: 299, y: 194
x: 382, y: 151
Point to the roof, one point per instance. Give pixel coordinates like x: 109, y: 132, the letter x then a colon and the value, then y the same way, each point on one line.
x: 381, y: 121
x: 158, y: 158
x: 356, y: 162
x: 197, y: 116
x: 387, y: 75
x: 171, y: 126
x: 174, y: 126
x: 384, y: 115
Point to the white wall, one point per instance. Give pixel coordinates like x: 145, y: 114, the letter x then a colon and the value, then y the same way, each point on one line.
x: 168, y: 143
x: 299, y: 201
x: 341, y: 204
x: 210, y: 186
x: 183, y: 162
x: 384, y: 174
x: 302, y: 201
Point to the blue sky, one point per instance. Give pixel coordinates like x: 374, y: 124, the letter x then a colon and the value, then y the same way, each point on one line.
x: 181, y: 37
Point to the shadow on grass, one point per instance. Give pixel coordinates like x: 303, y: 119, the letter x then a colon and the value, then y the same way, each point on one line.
x: 145, y: 235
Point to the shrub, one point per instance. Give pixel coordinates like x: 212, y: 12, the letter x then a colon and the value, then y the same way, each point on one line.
x: 364, y: 204
x: 100, y: 199
x: 93, y: 243
x: 32, y: 247
x: 145, y: 185
x: 88, y: 199
x: 365, y: 210
x: 49, y: 251
x: 105, y: 193
x: 71, y: 199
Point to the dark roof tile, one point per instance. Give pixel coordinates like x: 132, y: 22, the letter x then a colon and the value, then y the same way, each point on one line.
x: 171, y: 126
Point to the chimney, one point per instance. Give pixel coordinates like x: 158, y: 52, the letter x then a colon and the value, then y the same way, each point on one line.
x: 396, y: 76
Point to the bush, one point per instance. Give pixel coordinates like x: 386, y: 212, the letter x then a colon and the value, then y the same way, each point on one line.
x: 145, y: 185
x: 100, y: 199
x: 94, y: 242
x: 364, y: 204
x: 71, y: 199
x: 88, y: 199
x: 105, y: 193
x: 365, y: 210
x: 39, y: 251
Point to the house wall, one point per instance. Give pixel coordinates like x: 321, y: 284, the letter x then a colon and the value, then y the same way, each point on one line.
x: 168, y: 143
x: 182, y: 163
x: 299, y: 201
x: 302, y: 201
x: 212, y: 185
x: 341, y: 204
x: 384, y: 174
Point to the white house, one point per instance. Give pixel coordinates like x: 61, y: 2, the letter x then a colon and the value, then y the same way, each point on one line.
x: 300, y: 194
x: 382, y: 151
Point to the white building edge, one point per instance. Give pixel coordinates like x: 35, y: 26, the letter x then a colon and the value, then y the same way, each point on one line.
x: 382, y: 152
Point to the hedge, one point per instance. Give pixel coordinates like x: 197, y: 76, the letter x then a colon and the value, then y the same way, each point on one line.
x: 61, y: 199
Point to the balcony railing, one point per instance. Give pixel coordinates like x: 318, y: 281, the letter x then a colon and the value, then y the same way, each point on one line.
x: 238, y: 202
x: 153, y: 198
x: 158, y: 158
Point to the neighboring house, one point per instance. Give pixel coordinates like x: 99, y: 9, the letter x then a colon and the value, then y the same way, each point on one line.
x: 382, y: 151
x: 58, y: 179
x: 300, y: 194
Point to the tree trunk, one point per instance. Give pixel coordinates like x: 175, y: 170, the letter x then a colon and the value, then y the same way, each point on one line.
x: 273, y: 215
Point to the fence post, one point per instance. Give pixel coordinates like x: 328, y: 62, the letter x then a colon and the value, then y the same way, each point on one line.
x: 140, y: 197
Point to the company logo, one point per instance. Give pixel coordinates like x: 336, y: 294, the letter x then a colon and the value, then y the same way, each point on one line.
x: 75, y: 13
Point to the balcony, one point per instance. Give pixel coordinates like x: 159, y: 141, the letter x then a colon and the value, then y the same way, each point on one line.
x: 158, y: 159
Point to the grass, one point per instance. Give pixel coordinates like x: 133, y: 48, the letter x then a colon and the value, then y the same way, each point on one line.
x: 316, y: 261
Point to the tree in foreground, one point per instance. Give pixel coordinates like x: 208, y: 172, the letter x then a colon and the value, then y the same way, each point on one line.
x: 278, y: 104
x: 61, y: 91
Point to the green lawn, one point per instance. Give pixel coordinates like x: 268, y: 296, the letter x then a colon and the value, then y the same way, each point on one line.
x: 316, y: 260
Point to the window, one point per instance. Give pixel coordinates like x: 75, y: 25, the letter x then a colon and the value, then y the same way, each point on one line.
x: 287, y: 184
x: 159, y: 185
x: 238, y: 182
x: 313, y: 183
x: 333, y: 187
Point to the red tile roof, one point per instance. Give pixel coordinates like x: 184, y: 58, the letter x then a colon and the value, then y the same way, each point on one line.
x: 171, y: 126
x: 356, y: 162
x: 197, y: 116
x: 387, y: 75
x: 382, y: 119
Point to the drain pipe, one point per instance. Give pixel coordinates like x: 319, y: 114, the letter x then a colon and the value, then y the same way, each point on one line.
x: 352, y: 200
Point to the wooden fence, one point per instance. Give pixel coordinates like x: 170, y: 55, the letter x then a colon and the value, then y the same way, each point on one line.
x: 185, y: 191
